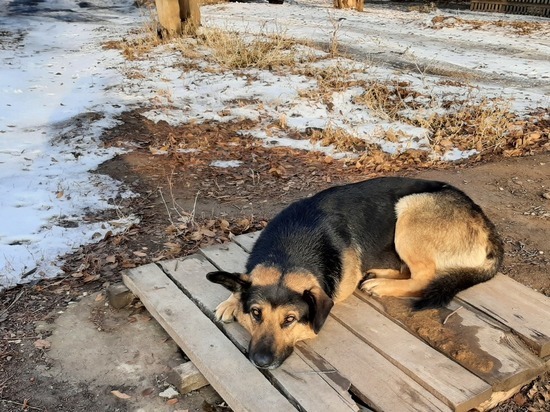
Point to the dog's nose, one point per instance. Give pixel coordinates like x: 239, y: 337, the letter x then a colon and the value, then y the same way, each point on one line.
x: 262, y: 359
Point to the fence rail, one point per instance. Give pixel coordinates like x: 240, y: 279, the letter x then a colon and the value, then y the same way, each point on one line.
x: 531, y: 7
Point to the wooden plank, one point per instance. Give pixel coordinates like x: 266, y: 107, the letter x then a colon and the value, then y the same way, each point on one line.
x: 518, y: 307
x: 374, y: 379
x: 441, y: 376
x: 313, y: 390
x: 486, y: 349
x: 247, y: 240
x: 383, y: 371
x: 215, y: 356
x: 229, y: 257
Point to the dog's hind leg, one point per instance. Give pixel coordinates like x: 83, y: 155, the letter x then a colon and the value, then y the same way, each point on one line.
x: 421, y: 274
x: 390, y: 273
x: 416, y: 242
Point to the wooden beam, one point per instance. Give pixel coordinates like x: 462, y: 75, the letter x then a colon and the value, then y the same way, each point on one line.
x: 486, y: 349
x: 520, y: 308
x: 216, y: 357
x: 441, y: 376
x: 229, y: 257
x: 247, y: 240
x: 186, y: 378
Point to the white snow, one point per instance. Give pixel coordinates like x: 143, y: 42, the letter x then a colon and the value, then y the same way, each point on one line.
x: 59, y: 89
x: 225, y: 163
x: 52, y: 70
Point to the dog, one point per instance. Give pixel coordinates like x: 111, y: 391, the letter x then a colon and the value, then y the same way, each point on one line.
x: 389, y: 236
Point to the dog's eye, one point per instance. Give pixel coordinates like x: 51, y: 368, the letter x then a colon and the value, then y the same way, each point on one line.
x: 289, y: 320
x: 256, y: 313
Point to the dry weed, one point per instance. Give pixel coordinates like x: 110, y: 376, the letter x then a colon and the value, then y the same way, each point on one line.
x: 339, y: 138
x: 141, y: 40
x: 424, y: 8
x: 387, y: 100
x: 517, y: 27
x: 330, y: 79
x: 233, y: 50
x: 483, y: 126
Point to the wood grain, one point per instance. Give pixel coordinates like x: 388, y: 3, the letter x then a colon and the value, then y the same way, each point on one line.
x: 215, y: 356
x: 520, y: 308
x: 314, y: 391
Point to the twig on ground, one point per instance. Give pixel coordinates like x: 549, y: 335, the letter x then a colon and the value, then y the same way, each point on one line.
x: 451, y: 314
x: 23, y: 404
x: 12, y: 303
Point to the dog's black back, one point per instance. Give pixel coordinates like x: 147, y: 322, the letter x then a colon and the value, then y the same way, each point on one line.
x: 311, y: 233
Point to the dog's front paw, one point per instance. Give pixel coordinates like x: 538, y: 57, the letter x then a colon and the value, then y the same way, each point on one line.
x: 228, y: 309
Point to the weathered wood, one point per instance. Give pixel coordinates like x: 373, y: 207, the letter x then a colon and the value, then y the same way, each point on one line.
x: 247, y: 240
x: 312, y: 390
x: 442, y: 377
x: 186, y: 378
x: 363, y: 346
x: 204, y: 343
x: 487, y: 350
x: 374, y: 379
x: 349, y: 4
x: 190, y: 14
x: 173, y: 13
x: 119, y: 296
x: 229, y: 257
x: 388, y: 376
x: 518, y: 307
x: 168, y: 12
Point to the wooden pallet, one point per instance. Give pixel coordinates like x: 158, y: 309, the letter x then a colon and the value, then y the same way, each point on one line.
x: 364, y: 355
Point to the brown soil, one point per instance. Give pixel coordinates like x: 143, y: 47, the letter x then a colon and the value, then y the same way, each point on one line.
x: 186, y: 203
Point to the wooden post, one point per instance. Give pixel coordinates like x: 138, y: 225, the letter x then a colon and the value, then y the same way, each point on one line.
x: 190, y: 13
x: 172, y: 13
x: 349, y: 4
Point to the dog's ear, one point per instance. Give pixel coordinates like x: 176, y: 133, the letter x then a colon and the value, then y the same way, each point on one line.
x: 319, y: 304
x: 235, y: 282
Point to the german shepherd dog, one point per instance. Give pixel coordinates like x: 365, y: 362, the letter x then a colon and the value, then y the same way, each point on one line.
x: 388, y: 236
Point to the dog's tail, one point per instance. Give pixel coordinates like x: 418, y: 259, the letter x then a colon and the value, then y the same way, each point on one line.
x: 441, y: 290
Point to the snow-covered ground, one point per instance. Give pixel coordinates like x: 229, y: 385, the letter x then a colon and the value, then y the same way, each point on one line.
x: 57, y: 93
x: 59, y: 89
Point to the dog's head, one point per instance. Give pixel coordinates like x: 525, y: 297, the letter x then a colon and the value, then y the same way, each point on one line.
x: 277, y: 310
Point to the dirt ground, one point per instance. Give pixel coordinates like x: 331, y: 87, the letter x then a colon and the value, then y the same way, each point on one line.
x: 63, y: 349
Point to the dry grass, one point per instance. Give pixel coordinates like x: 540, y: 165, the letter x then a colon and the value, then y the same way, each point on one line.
x: 233, y: 50
x: 387, y: 100
x: 424, y: 8
x: 339, y: 138
x: 485, y: 126
x: 517, y: 27
x: 330, y: 79
x: 482, y: 126
x: 142, y: 40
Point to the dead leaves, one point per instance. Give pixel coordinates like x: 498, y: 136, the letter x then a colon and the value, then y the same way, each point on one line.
x: 517, y: 27
x: 120, y: 395
x: 534, y: 397
x: 42, y: 344
x: 110, y: 259
x: 201, y: 233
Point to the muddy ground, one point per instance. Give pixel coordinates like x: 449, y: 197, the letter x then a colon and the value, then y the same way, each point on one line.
x: 63, y: 349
